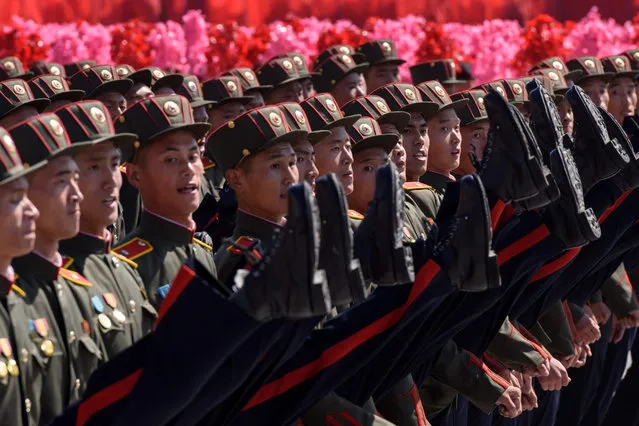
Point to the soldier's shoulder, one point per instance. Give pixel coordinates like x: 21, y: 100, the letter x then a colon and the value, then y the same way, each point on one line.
x: 74, y: 277
x: 67, y: 261
x: 354, y: 214
x: 133, y: 248
x: 208, y: 163
x: 418, y: 186
x: 124, y: 259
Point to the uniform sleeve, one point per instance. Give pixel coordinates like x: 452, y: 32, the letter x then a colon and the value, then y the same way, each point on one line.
x: 514, y: 350
x: 618, y: 293
x: 557, y: 324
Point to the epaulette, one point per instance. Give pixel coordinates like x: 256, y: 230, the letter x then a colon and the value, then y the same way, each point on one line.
x: 409, y: 186
x: 67, y: 261
x: 207, y: 163
x: 124, y: 259
x: 74, y: 277
x: 18, y: 290
x: 246, y: 243
x: 353, y: 214
x: 133, y: 249
x: 123, y: 168
x: 203, y: 244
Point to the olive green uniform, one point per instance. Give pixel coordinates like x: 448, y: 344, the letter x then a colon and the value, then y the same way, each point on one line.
x: 130, y: 315
x: 425, y: 197
x: 618, y: 294
x: 213, y: 179
x: 56, y: 335
x: 159, y: 247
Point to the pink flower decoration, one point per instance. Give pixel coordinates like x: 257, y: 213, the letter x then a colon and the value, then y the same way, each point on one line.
x: 169, y: 47
x: 197, y: 41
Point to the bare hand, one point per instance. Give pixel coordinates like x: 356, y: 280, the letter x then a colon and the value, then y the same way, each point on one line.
x: 631, y: 320
x: 601, y: 312
x: 528, y: 395
x: 557, y: 378
x: 542, y: 369
x: 618, y: 330
x: 588, y: 329
x: 509, y: 403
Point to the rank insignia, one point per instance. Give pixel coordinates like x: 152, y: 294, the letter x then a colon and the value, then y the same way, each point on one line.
x: 164, y: 290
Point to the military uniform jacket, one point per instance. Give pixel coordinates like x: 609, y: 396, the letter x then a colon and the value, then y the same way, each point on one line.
x: 125, y: 314
x: 212, y: 181
x: 515, y: 351
x: 11, y: 397
x: 618, y: 293
x: 159, y: 247
x: 424, y: 197
x: 58, y: 346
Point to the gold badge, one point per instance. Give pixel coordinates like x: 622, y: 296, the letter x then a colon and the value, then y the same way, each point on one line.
x: 480, y: 103
x: 553, y: 76
x: 132, y: 305
x: 620, y: 63
x: 157, y: 74
x: 9, y: 66
x: 298, y: 61
x: 104, y: 321
x: 122, y: 71
x: 410, y: 95
x: 387, y: 47
x: 299, y: 116
x: 86, y: 66
x: 440, y: 91
x: 56, y: 127
x: 55, y: 70
x: 106, y: 75
x: 345, y: 50
x: 47, y: 348
x: 13, y: 368
x: 287, y: 64
x: 4, y: 371
x: 231, y: 86
x: 19, y: 89
x: 171, y: 108
x: 347, y: 59
x: 365, y: 129
x: 331, y: 105
x: 56, y: 84
x: 275, y: 119
x: 97, y: 115
x: 249, y: 75
x: 382, y: 106
x: 517, y: 89
x: 589, y: 63
x: 636, y: 56
x: 501, y: 91
x: 558, y: 66
x: 119, y: 316
x: 192, y: 86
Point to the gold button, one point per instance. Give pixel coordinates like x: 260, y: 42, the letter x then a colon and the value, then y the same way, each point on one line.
x: 132, y: 305
x: 24, y: 356
x: 27, y: 405
x: 71, y: 336
x: 246, y: 152
x: 231, y: 125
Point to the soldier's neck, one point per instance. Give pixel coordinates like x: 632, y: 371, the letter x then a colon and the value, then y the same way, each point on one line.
x: 47, y: 247
x: 96, y: 229
x: 185, y: 221
x: 445, y: 173
x: 259, y: 213
x: 412, y: 178
x: 5, y: 269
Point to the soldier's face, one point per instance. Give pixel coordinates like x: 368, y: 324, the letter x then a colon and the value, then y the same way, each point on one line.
x: 596, y: 89
x: 18, y: 116
x: 381, y: 75
x: 445, y: 142
x: 55, y: 190
x: 168, y: 174
x: 258, y: 99
x: 416, y: 143
x: 333, y: 155
x: 474, y: 138
x: 306, y: 161
x: 289, y: 92
x: 566, y: 115
x: 623, y: 98
x: 398, y: 154
x: 349, y: 88
x: 223, y: 114
x: 366, y: 163
x: 114, y: 102
x: 307, y: 88
x: 18, y: 218
x: 138, y: 92
x: 55, y: 105
x: 261, y: 184
x: 164, y: 90
x: 200, y: 115
x: 100, y: 183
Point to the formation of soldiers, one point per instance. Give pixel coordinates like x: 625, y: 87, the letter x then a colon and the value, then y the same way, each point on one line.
x: 321, y: 245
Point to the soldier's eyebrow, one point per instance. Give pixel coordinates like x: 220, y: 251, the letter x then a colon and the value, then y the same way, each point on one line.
x: 280, y: 154
x: 65, y: 172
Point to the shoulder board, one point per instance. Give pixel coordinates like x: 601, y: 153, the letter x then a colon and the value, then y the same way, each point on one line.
x: 353, y: 214
x: 133, y: 249
x: 208, y: 164
x: 409, y: 186
x: 74, y: 277
x: 244, y: 242
x: 124, y: 259
x: 18, y: 290
x: 123, y: 168
x: 203, y: 244
x: 67, y: 261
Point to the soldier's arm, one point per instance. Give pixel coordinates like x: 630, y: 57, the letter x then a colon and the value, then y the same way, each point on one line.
x: 514, y: 350
x: 618, y: 293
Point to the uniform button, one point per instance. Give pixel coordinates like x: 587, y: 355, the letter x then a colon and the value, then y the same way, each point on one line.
x: 71, y: 336
x: 132, y: 305
x: 77, y: 384
x: 141, y: 243
x: 24, y: 356
x: 27, y: 405
x: 58, y: 287
x: 115, y: 262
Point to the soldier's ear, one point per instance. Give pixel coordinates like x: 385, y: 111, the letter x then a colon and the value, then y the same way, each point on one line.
x: 133, y: 174
x: 234, y: 177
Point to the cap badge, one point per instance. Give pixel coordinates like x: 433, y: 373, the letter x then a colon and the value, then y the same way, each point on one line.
x: 9, y: 65
x: 56, y: 127
x: 231, y: 86
x: 558, y: 66
x: 171, y: 108
x: 382, y: 106
x: 9, y: 145
x: 620, y: 63
x: 56, y: 84
x: 553, y: 76
x: 517, y: 89
x: 19, y: 89
x: 106, y: 75
x: 298, y: 61
x: 122, y: 71
x: 387, y: 47
x: 287, y: 65
x: 589, y: 63
x: 440, y: 91
x: 86, y: 66
x: 249, y: 75
x: 157, y: 74
x: 501, y: 91
x: 636, y: 56
x: 347, y: 59
x: 331, y: 105
x: 54, y: 70
x: 192, y: 86
x: 345, y: 50
x: 299, y: 116
x: 365, y: 129
x: 97, y: 115
x: 410, y: 95
x: 480, y: 103
x: 275, y: 119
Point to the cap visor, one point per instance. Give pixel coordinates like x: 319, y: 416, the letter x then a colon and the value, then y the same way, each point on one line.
x: 261, y: 89
x: 25, y: 172
x: 197, y: 104
x: 70, y: 95
x: 26, y: 76
x: 629, y: 74
x: 143, y: 76
x: 289, y: 80
x: 607, y: 76
x: 399, y: 119
x: 427, y: 109
x: 38, y: 104
x: 317, y: 135
x: 173, y: 81
x: 573, y: 75
x: 71, y: 150
x: 456, y: 105
x: 244, y: 100
x: 117, y: 86
x: 386, y: 142
x: 119, y: 140
x: 477, y: 120
x: 395, y: 61
x: 349, y: 120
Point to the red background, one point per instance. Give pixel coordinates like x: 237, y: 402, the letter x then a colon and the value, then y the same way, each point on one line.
x: 255, y: 12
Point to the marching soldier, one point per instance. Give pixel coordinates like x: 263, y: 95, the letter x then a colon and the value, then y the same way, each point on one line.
x: 56, y: 89
x: 11, y: 67
x: 282, y: 74
x: 342, y: 77
x: 251, y: 86
x: 302, y: 67
x: 161, y: 83
x: 593, y: 79
x: 142, y: 82
x: 622, y: 91
x: 103, y: 83
x: 381, y: 55
x: 191, y: 89
x: 17, y: 103
x: 442, y: 70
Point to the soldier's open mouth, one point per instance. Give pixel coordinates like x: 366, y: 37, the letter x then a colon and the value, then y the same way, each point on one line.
x: 189, y: 189
x: 110, y: 202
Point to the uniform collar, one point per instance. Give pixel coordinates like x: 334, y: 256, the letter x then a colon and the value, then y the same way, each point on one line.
x: 35, y: 264
x: 435, y: 180
x: 84, y: 244
x: 6, y: 281
x: 153, y: 224
x: 252, y: 226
